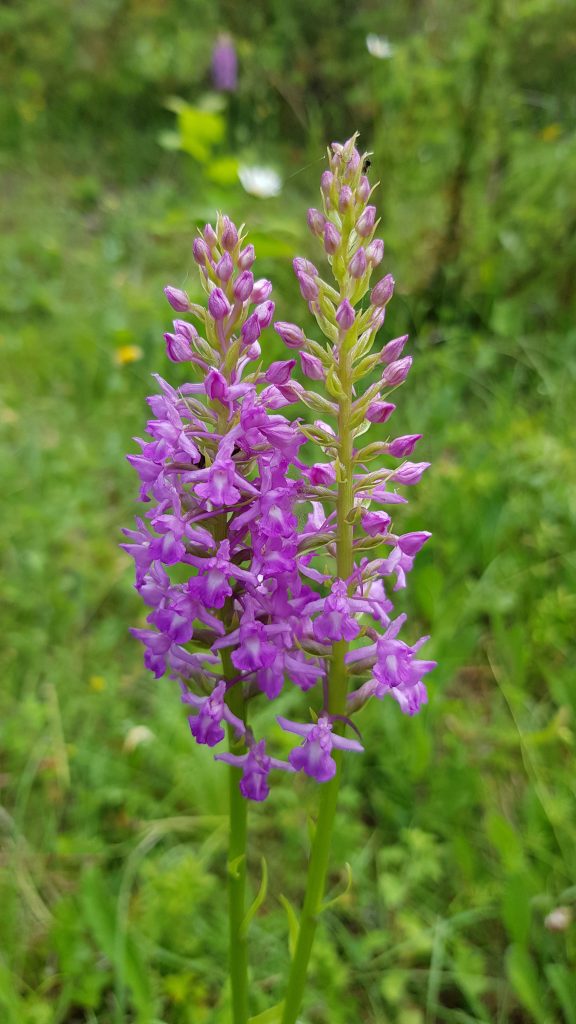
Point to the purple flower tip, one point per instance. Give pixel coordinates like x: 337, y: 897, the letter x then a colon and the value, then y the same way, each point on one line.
x: 177, y: 299
x: 345, y: 315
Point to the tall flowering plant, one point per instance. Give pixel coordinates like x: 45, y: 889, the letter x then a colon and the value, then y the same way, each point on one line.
x: 285, y: 581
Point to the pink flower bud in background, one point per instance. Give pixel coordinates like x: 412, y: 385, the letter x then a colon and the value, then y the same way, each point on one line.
x: 345, y: 198
x: 177, y: 299
x: 366, y: 221
x: 224, y: 64
x: 363, y: 190
x: 379, y: 412
x: 218, y: 304
x: 400, y: 447
x: 178, y: 348
x: 304, y: 266
x: 308, y: 287
x: 261, y: 291
x: 397, y: 371
x: 225, y: 267
x: 376, y: 523
x: 375, y: 252
x: 316, y: 221
x: 292, y: 335
x: 210, y: 236
x: 311, y: 366
x: 185, y: 330
x: 264, y: 312
x: 345, y: 315
x: 200, y: 252
x: 393, y: 349
x: 410, y: 473
x: 358, y: 265
x: 246, y: 257
x: 279, y: 372
x: 229, y: 234
x: 383, y: 291
x: 243, y: 286
x: 331, y: 238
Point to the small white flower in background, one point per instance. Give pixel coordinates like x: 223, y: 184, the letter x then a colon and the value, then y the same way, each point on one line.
x: 135, y: 736
x: 379, y: 46
x: 263, y: 182
x: 558, y: 919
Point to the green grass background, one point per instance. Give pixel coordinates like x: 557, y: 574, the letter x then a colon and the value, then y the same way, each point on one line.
x: 458, y: 825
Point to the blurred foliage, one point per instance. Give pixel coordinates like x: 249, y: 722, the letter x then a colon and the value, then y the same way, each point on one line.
x: 459, y: 825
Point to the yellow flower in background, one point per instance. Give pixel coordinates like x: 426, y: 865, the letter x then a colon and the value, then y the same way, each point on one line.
x: 551, y: 132
x: 97, y: 683
x: 125, y: 354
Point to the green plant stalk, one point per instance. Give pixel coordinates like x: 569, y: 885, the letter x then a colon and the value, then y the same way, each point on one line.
x: 338, y: 686
x: 237, y: 812
x: 238, y: 945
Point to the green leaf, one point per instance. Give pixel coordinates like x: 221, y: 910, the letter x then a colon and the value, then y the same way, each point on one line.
x: 563, y: 983
x: 293, y: 926
x: 341, y: 895
x: 258, y: 900
x: 271, y: 1016
x: 523, y: 977
x: 516, y: 907
x: 200, y: 132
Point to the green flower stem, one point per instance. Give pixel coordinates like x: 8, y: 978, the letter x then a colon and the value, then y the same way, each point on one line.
x: 238, y: 945
x: 338, y: 686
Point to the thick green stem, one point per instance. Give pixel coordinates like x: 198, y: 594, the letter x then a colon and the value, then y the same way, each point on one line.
x: 238, y: 946
x: 338, y: 685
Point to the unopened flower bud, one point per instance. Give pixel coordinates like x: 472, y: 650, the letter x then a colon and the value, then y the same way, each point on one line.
x: 218, y: 305
x: 279, y: 372
x: 358, y: 265
x: 177, y: 348
x: 253, y: 351
x: 379, y: 412
x: 326, y: 182
x: 383, y: 291
x: 363, y: 190
x: 410, y: 543
x: 366, y: 221
x: 265, y: 312
x: 375, y: 252
x: 316, y: 221
x: 308, y: 287
x: 292, y: 335
x: 345, y: 198
x: 304, y: 266
x: 397, y: 371
x: 345, y: 315
x: 246, y: 257
x: 225, y: 267
x: 185, y: 330
x: 210, y: 236
x: 311, y: 366
x: 409, y: 473
x: 216, y: 386
x: 243, y: 286
x: 251, y: 329
x: 331, y: 238
x: 376, y: 523
x: 393, y: 349
x: 353, y: 163
x: 321, y: 474
x: 177, y: 299
x: 400, y: 447
x: 261, y: 291
x: 229, y: 234
x: 200, y: 252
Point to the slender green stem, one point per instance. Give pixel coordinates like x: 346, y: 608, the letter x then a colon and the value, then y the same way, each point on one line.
x: 238, y: 946
x: 338, y: 685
